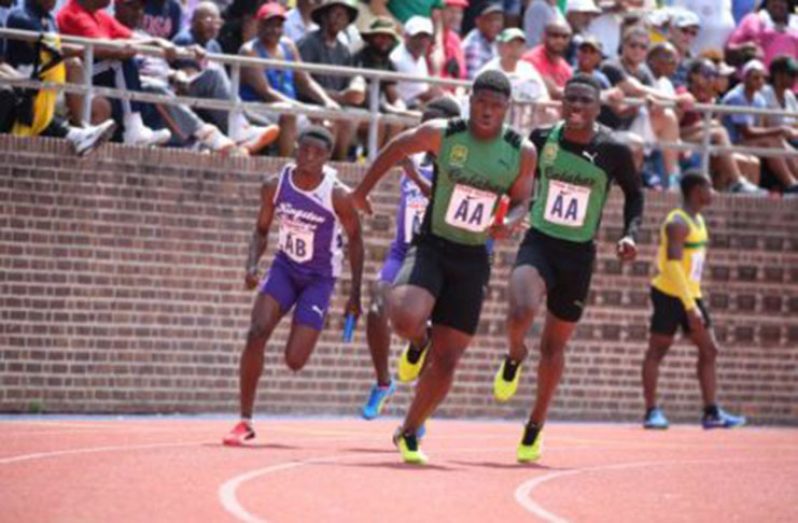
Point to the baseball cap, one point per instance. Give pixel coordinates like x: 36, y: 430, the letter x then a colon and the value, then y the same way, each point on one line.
x: 591, y: 41
x: 416, y: 25
x: 754, y: 65
x: 684, y: 18
x: 582, y: 6
x: 270, y: 10
x: 457, y: 3
x: 510, y: 34
x: 491, y: 7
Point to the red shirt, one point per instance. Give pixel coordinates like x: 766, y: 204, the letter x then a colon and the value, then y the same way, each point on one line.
x: 558, y: 70
x: 73, y: 19
x: 454, y: 65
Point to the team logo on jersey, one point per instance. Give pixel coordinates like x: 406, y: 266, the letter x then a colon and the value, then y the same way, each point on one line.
x: 458, y: 155
x: 550, y: 152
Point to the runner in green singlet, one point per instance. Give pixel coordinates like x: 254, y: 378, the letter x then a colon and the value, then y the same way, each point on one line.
x: 578, y: 162
x: 444, y: 273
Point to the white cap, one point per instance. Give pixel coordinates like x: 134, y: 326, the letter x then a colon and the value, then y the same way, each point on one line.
x: 582, y: 6
x: 753, y: 65
x: 682, y: 18
x: 416, y: 25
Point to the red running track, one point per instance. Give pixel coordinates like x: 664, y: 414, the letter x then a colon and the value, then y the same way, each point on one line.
x: 156, y: 469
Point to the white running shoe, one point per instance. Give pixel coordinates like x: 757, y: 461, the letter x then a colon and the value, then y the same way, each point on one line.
x: 86, y: 139
x: 136, y: 133
x: 212, y: 138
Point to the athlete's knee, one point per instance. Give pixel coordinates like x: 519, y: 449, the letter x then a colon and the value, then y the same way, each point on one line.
x: 294, y: 361
x: 446, y: 360
x: 405, y: 323
x: 258, y: 330
x: 708, y: 353
x: 523, y: 313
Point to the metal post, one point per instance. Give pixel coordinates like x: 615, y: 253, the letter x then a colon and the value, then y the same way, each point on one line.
x: 235, y: 84
x: 706, y: 142
x: 88, y: 76
x: 374, y: 112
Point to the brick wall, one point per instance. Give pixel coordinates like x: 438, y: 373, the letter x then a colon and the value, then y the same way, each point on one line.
x: 121, y: 278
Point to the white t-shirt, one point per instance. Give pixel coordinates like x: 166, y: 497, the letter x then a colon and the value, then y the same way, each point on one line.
x: 528, y: 85
x: 717, y: 23
x: 790, y: 104
x: 405, y: 63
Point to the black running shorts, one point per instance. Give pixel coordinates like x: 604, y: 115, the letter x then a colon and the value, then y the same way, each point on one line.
x: 456, y: 275
x: 669, y: 314
x: 566, y: 268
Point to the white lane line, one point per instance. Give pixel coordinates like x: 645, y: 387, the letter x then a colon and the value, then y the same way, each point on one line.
x: 229, y: 498
x: 91, y: 450
x: 523, y: 493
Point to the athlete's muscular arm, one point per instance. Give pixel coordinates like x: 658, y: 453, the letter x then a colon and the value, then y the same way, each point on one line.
x: 424, y: 138
x: 520, y: 192
x: 350, y: 221
x: 257, y: 245
x: 630, y: 183
x: 675, y: 234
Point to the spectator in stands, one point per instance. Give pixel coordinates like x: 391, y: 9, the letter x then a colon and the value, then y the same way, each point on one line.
x: 157, y: 76
x: 684, y: 28
x: 380, y: 39
x: 726, y: 168
x: 279, y: 85
x: 579, y: 14
x: 539, y: 14
x: 652, y: 121
x: 114, y: 67
x: 28, y: 112
x: 404, y: 10
x: 323, y: 46
x: 512, y: 13
x: 409, y: 58
x: 548, y: 58
x: 617, y: 16
x: 589, y: 55
x: 206, y: 79
x: 528, y: 86
x: 240, y: 24
x: 298, y: 22
x: 479, y: 45
x: 454, y: 64
x: 206, y: 21
x: 767, y: 33
x: 779, y: 92
x: 746, y: 129
x: 162, y: 18
x: 717, y: 22
x: 726, y: 73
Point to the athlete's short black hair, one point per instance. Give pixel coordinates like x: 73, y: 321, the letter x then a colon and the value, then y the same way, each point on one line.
x: 690, y: 180
x: 585, y: 79
x: 493, y: 80
x: 442, y: 107
x: 319, y: 133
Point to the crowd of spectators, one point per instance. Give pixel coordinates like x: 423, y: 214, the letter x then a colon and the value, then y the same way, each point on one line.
x: 655, y: 59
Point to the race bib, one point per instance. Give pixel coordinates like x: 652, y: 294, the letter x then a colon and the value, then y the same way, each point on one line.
x: 296, y: 240
x: 696, y: 266
x: 566, y: 204
x: 414, y: 214
x: 470, y: 208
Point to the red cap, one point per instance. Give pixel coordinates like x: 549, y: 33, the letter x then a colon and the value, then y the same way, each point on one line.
x: 457, y: 3
x: 270, y: 10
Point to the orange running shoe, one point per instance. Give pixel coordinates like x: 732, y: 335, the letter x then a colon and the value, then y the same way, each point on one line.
x: 241, y: 432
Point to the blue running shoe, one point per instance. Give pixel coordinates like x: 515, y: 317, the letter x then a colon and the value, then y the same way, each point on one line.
x: 376, y: 400
x: 655, y: 419
x: 722, y: 420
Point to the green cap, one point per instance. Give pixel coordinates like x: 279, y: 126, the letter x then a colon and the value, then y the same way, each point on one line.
x: 510, y: 34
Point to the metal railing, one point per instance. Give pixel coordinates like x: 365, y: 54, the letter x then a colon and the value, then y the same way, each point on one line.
x: 372, y: 114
